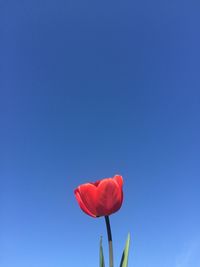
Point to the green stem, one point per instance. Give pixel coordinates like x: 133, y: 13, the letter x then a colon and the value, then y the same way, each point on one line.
x: 109, y: 241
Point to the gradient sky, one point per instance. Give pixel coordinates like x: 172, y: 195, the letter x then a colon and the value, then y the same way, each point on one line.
x: 89, y: 89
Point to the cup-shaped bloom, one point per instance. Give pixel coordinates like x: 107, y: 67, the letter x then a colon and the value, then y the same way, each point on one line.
x: 102, y: 197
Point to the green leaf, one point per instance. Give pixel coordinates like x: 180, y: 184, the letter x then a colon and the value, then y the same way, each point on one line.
x: 101, y: 257
x: 124, y: 259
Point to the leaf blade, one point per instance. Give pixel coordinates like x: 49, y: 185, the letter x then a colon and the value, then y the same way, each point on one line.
x: 101, y: 256
x: 124, y: 259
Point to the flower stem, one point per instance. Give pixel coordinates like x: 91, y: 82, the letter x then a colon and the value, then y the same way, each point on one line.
x: 109, y: 241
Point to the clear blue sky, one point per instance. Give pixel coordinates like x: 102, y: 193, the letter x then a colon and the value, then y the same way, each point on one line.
x: 89, y: 89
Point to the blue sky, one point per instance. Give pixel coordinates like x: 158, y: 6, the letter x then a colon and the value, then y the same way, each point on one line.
x: 89, y: 89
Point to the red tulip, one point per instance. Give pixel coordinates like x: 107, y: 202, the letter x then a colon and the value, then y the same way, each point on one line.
x: 102, y: 197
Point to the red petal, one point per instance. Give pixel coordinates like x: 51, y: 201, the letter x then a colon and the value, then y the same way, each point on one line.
x: 109, y: 197
x: 81, y: 204
x: 88, y: 197
x: 119, y: 180
x: 96, y: 183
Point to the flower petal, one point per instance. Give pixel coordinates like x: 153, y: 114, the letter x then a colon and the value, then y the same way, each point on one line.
x: 88, y: 196
x: 119, y: 180
x: 81, y: 204
x: 109, y: 197
x: 96, y: 183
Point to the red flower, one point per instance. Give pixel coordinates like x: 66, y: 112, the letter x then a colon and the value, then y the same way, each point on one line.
x: 102, y: 197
